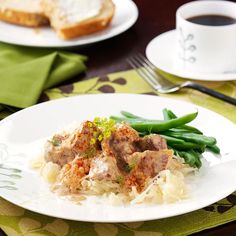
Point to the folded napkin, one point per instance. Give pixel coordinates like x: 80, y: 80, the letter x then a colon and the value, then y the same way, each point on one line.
x: 25, y: 72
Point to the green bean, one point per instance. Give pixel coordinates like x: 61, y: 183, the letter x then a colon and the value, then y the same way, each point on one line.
x: 186, y: 146
x: 130, y: 115
x: 201, y: 149
x: 171, y: 114
x: 181, y: 130
x: 132, y: 120
x: 197, y: 156
x: 154, y: 126
x: 168, y: 114
x: 186, y: 129
x: 123, y: 119
x: 191, y: 157
x: 192, y: 137
x: 165, y: 114
x: 171, y: 140
x: 191, y: 129
x: 214, y: 148
x: 188, y: 157
x: 119, y: 119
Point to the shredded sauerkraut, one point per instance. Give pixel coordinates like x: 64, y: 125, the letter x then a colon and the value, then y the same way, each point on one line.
x: 167, y: 187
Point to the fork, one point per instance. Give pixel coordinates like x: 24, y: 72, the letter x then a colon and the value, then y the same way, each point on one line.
x: 162, y: 85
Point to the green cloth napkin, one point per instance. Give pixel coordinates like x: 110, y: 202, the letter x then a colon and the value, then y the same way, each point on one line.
x: 16, y: 221
x: 25, y: 72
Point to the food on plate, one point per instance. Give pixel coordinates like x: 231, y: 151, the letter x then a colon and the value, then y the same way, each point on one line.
x: 127, y: 159
x: 69, y: 19
x: 73, y: 18
x: 26, y: 13
x: 187, y: 142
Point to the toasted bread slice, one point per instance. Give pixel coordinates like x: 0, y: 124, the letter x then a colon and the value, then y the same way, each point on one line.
x: 73, y: 18
x: 23, y: 12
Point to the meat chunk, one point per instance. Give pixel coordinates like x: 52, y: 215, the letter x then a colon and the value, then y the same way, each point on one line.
x: 64, y: 147
x: 151, y: 142
x: 150, y: 163
x: 104, y: 168
x: 120, y: 144
x: 124, y: 141
x: 144, y: 165
x: 72, y: 173
x: 84, y: 138
x: 58, y: 150
x: 121, y: 140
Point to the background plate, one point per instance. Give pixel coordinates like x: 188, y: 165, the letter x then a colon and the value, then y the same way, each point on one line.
x: 125, y: 16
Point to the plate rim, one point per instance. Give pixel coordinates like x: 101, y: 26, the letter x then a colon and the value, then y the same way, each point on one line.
x: 140, y: 219
x: 76, y: 42
x: 112, y: 95
x: 185, y: 75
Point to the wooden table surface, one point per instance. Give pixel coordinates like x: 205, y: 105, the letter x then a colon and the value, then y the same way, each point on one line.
x: 155, y: 17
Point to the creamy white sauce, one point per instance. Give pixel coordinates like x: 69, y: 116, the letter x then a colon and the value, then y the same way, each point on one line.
x: 78, y: 10
x: 100, y: 167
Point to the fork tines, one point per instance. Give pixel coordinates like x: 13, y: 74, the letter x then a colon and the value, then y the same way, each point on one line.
x: 145, y: 69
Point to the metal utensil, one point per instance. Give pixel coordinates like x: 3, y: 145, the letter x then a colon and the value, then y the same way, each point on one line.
x: 162, y: 85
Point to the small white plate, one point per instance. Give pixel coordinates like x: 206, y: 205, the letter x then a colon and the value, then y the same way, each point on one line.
x: 125, y: 16
x: 161, y: 50
x: 22, y: 137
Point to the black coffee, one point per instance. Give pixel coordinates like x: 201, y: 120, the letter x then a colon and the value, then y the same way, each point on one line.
x: 212, y: 20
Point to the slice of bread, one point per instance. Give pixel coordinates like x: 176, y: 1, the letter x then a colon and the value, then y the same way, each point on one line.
x: 73, y: 18
x: 23, y: 12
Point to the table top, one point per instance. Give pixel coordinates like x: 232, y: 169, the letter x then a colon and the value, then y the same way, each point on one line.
x: 155, y: 17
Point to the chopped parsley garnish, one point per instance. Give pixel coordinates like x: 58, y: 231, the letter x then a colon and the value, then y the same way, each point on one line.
x: 55, y: 141
x: 90, y: 152
x: 131, y: 165
x: 120, y: 179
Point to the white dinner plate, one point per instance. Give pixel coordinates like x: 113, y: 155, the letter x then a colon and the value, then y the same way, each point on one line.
x: 126, y: 14
x: 161, y: 52
x: 23, y: 134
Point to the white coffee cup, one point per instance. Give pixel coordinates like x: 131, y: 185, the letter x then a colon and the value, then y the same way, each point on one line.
x: 205, y: 49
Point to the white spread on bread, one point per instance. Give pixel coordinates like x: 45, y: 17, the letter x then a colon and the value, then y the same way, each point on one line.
x: 79, y: 10
x: 34, y: 6
x: 69, y: 18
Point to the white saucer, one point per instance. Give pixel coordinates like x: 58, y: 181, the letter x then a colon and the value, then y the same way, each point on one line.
x: 125, y: 16
x: 160, y: 51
